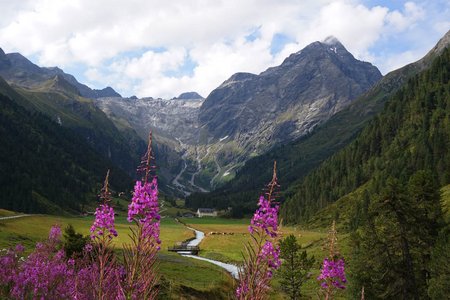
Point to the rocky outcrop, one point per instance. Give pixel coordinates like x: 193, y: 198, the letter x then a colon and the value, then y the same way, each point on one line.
x: 173, y: 119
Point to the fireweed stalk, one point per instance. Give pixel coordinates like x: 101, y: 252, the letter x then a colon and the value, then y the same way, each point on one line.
x: 140, y: 255
x: 332, y: 277
x: 262, y: 254
x: 102, y: 233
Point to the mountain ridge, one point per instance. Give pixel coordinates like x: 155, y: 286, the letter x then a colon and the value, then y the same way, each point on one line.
x: 47, y: 168
x: 289, y: 85
x: 17, y: 69
x: 239, y: 119
x: 298, y: 158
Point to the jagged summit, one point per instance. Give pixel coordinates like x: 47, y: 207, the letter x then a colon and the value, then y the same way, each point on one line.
x: 331, y: 40
x: 189, y: 96
x: 289, y: 100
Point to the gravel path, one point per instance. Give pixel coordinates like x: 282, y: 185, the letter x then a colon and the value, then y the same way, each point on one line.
x: 14, y: 217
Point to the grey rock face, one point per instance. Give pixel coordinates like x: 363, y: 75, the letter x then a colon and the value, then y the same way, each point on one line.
x: 173, y: 119
x: 248, y: 113
x: 287, y: 101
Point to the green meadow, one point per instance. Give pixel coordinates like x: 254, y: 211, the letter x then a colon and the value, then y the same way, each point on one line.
x: 184, y: 278
x: 225, y: 240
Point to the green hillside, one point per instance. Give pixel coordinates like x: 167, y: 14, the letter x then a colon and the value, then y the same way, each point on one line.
x: 411, y: 133
x: 46, y: 167
x: 60, y: 101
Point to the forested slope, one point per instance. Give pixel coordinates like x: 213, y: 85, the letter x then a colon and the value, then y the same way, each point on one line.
x: 46, y: 167
x: 411, y: 133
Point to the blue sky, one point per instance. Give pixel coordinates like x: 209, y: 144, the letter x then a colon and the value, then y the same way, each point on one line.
x: 162, y: 48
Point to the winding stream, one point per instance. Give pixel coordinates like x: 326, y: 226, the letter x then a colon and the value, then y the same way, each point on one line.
x: 199, y: 236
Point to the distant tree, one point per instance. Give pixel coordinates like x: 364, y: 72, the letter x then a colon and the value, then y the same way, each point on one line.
x: 295, y: 268
x: 73, y: 242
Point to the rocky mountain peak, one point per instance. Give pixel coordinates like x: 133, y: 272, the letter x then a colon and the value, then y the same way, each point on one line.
x: 189, y: 96
x: 19, y: 61
x: 16, y: 68
x: 240, y: 76
x: 106, y: 92
x: 332, y: 41
x: 287, y: 101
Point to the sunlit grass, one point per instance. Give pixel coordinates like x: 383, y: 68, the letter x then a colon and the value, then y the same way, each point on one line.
x: 183, y: 273
x: 29, y: 230
x: 224, y: 241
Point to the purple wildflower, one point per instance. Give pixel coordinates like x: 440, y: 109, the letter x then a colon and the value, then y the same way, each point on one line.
x: 45, y: 273
x: 104, y: 222
x: 263, y: 258
x: 55, y: 233
x: 88, y: 248
x: 144, y: 203
x: 333, y: 272
x: 270, y: 254
x: 144, y: 208
x: 242, y: 290
x: 265, y: 217
x: 20, y: 248
x: 9, y: 260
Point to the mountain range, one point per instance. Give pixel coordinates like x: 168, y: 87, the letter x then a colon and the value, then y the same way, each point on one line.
x: 297, y: 159
x: 299, y: 113
x: 248, y: 114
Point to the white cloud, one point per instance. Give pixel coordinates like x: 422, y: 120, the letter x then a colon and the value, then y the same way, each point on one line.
x: 106, y: 38
x: 356, y: 26
x: 412, y: 13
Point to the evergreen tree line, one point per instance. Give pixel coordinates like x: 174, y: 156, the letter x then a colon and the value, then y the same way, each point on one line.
x: 401, y: 249
x: 46, y: 167
x: 412, y: 133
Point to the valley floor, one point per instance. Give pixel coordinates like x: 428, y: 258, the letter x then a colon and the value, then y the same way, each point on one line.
x: 188, y: 278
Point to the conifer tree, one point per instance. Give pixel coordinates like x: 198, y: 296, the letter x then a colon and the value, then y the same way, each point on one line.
x: 295, y: 268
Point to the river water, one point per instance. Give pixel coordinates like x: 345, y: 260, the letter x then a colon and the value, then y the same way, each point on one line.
x: 199, y: 236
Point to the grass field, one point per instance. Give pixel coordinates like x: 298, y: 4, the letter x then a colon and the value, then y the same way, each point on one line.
x: 187, y: 278
x: 29, y: 230
x: 225, y: 240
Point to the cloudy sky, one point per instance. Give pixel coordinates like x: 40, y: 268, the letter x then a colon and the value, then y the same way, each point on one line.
x: 162, y: 48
